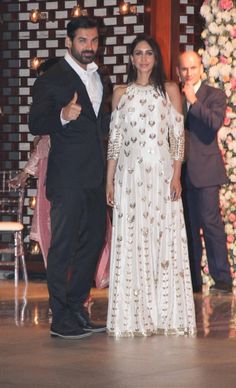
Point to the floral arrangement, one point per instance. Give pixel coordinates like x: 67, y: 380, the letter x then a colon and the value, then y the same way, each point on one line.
x: 219, y: 61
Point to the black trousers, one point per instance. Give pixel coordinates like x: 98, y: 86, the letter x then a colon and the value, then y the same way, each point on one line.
x: 78, y: 222
x: 203, y: 212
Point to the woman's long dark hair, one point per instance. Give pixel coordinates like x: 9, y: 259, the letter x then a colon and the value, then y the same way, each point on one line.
x: 157, y: 76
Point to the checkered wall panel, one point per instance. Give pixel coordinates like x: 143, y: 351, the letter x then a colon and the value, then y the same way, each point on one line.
x: 22, y: 40
x: 190, y: 24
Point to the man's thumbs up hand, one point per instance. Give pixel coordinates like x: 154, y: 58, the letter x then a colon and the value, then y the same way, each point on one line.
x: 72, y: 110
x: 75, y: 98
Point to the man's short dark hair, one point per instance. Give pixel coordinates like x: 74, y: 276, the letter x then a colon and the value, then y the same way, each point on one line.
x: 80, y: 22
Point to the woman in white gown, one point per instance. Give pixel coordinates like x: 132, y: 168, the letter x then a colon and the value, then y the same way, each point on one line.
x: 150, y: 286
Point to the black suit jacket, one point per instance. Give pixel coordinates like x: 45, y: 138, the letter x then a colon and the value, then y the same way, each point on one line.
x: 205, y: 166
x: 76, y: 155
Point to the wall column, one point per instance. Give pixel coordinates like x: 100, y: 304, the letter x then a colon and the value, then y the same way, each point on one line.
x: 165, y: 29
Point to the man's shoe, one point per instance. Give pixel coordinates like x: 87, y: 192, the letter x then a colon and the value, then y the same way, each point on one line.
x: 83, y: 321
x: 68, y: 329
x: 70, y: 334
x: 221, y: 287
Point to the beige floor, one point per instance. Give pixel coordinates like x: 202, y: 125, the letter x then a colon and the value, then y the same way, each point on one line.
x: 30, y: 358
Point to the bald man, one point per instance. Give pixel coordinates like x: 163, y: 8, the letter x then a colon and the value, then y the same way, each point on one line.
x: 204, y: 173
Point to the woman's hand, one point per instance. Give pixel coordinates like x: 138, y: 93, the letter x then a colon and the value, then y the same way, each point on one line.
x: 175, y: 189
x: 19, y: 181
x: 110, y: 194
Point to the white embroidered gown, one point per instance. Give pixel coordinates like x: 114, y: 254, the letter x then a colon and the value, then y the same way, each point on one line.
x: 150, y: 285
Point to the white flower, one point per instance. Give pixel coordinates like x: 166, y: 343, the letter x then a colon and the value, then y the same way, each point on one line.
x: 212, y: 39
x: 219, y: 18
x: 206, y: 59
x: 226, y: 16
x: 229, y: 46
x: 227, y: 195
x: 229, y: 154
x: 213, y: 51
x: 229, y: 28
x: 231, y: 147
x: 228, y: 228
x: 212, y: 82
x: 221, y: 29
x: 213, y: 28
x: 224, y: 70
x: 200, y: 51
x: 204, y: 34
x: 227, y: 50
x: 233, y: 178
x: 233, y: 100
x: 215, y: 10
x: 214, y: 72
x: 233, y: 162
x: 227, y: 85
x: 222, y: 40
x: 223, y: 132
x: 233, y: 14
x: 205, y: 10
x: 228, y: 93
x: 209, y: 18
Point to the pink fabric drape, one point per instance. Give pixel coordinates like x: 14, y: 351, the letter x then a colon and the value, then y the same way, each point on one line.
x: 40, y: 228
x: 102, y: 273
x: 37, y: 166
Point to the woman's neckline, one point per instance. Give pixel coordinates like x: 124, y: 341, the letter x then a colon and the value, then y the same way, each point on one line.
x: 142, y: 85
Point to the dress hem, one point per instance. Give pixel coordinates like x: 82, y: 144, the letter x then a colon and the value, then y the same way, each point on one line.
x: 190, y: 332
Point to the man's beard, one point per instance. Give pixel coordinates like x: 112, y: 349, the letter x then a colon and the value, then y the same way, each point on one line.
x: 85, y: 57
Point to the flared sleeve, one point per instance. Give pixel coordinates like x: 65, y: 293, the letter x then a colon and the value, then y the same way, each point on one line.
x: 115, y: 135
x: 40, y: 152
x: 31, y: 166
x: 176, y: 134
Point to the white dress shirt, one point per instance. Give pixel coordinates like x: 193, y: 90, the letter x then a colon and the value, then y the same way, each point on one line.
x: 91, y: 80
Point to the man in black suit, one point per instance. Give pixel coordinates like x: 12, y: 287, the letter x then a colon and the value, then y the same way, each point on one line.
x: 204, y: 173
x: 68, y: 105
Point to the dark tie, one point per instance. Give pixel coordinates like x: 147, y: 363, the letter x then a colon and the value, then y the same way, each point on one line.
x: 186, y: 125
x: 185, y: 108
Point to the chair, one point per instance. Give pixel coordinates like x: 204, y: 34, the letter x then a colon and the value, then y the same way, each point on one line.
x: 11, y: 210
